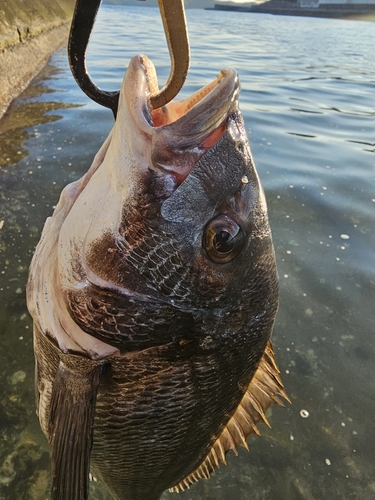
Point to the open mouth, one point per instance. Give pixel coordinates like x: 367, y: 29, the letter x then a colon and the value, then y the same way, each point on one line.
x: 223, y: 90
x: 181, y: 131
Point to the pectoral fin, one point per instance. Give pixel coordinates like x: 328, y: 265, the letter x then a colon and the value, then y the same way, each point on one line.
x: 71, y: 422
x: 260, y: 395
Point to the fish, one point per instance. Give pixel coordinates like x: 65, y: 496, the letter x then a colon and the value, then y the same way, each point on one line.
x: 153, y: 292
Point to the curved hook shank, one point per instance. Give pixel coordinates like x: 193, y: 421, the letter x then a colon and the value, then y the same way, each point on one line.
x: 83, y: 21
x: 174, y: 22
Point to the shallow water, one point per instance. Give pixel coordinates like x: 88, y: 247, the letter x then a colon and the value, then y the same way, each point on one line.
x: 309, y: 105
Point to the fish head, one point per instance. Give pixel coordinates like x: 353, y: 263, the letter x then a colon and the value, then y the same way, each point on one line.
x: 191, y: 185
x: 170, y: 217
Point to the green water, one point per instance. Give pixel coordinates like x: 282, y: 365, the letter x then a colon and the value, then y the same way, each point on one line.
x: 308, y: 102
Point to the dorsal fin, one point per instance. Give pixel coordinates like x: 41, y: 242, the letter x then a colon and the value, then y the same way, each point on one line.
x: 260, y: 395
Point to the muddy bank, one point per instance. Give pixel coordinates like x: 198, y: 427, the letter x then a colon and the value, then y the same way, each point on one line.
x: 29, y: 33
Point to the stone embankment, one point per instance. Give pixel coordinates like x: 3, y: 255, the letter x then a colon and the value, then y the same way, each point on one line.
x: 30, y: 30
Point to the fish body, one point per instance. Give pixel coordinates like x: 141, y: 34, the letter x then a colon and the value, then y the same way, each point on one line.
x: 154, y: 292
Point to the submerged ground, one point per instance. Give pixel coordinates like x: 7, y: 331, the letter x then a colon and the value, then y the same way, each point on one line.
x: 308, y: 102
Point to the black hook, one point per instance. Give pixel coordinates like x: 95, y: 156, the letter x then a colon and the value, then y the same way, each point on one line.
x: 83, y: 21
x: 174, y: 22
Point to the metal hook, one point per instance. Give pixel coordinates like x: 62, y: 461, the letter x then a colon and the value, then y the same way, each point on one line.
x: 174, y: 22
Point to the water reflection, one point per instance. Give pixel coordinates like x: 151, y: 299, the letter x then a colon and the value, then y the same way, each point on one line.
x: 28, y: 112
x: 317, y: 191
x: 24, y: 454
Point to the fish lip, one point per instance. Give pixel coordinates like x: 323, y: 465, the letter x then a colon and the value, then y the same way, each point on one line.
x: 223, y: 89
x: 177, y: 135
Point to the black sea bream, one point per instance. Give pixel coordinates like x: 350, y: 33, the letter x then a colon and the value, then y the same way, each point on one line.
x: 154, y: 292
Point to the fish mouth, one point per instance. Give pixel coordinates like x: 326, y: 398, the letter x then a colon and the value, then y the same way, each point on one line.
x: 179, y: 133
x: 222, y: 87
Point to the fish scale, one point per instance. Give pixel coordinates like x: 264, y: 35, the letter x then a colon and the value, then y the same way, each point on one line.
x: 173, y: 435
x: 140, y: 250
x: 154, y: 292
x: 157, y: 324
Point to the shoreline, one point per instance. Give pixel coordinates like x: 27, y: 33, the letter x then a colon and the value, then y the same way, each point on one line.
x: 22, y: 62
x: 357, y: 12
x: 30, y: 31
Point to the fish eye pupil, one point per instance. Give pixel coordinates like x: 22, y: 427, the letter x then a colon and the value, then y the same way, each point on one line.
x: 223, y: 242
x: 223, y: 239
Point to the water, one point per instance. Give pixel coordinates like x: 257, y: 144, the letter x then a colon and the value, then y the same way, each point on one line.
x: 308, y: 102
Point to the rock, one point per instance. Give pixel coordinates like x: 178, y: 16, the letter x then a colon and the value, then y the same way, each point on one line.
x: 18, y: 377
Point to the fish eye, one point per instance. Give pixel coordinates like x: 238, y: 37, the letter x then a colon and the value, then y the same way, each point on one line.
x: 223, y: 239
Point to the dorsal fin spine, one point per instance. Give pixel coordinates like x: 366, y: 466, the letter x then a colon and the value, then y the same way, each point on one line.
x: 260, y: 395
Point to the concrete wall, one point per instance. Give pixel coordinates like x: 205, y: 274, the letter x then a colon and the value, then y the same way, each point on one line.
x: 30, y: 30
